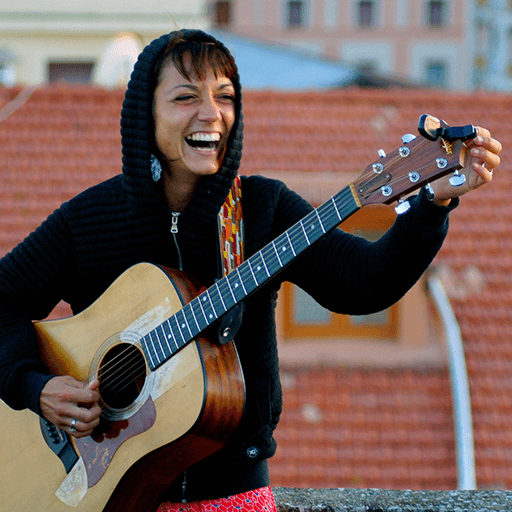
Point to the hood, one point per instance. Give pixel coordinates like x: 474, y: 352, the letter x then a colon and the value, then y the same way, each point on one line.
x: 137, y: 136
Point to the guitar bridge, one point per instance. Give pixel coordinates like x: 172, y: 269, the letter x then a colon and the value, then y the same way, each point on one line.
x: 59, y: 443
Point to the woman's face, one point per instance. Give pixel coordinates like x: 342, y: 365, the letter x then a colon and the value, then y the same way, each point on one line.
x: 193, y: 120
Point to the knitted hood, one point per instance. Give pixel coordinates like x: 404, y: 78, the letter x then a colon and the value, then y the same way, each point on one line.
x: 137, y: 137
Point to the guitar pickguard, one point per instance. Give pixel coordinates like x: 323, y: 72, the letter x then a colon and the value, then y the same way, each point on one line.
x: 97, y: 450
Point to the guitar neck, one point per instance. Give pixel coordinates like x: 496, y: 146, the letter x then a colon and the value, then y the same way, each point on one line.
x: 175, y: 332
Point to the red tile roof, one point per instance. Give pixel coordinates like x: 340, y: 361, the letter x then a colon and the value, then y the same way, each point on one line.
x: 340, y: 427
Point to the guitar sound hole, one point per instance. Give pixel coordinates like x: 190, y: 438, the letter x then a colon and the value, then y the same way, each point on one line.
x: 122, y: 375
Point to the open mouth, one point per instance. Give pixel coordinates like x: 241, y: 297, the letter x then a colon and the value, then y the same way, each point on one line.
x: 204, y: 141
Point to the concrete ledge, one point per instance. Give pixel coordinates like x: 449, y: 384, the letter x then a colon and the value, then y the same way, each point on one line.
x: 375, y: 500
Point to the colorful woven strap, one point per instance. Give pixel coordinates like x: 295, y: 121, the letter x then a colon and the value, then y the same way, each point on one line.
x: 231, y: 229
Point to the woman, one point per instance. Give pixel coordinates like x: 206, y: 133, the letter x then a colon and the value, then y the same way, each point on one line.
x: 182, y: 138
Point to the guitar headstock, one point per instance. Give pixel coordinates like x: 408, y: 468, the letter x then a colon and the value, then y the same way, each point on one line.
x: 418, y: 161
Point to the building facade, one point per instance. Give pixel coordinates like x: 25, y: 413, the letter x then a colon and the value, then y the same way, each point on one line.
x: 77, y: 41
x: 454, y: 44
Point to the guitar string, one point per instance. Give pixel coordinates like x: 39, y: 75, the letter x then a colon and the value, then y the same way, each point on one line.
x: 128, y: 355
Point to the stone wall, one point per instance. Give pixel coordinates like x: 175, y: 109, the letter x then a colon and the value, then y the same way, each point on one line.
x: 374, y: 500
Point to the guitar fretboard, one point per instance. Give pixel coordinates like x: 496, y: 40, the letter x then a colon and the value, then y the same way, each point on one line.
x: 175, y: 332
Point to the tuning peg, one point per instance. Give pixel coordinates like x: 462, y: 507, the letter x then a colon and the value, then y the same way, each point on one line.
x: 457, y: 179
x: 382, y: 153
x: 408, y: 137
x: 402, y: 206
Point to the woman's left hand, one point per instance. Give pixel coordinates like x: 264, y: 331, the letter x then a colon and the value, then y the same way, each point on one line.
x: 480, y: 160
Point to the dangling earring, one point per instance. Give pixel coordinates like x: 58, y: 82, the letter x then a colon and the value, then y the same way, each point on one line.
x: 156, y: 168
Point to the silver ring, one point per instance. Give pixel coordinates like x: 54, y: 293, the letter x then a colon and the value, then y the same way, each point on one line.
x: 72, y: 427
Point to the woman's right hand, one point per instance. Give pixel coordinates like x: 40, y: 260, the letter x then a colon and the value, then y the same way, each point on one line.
x: 64, y: 399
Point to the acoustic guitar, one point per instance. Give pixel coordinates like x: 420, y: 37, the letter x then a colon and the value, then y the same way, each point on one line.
x: 170, y: 394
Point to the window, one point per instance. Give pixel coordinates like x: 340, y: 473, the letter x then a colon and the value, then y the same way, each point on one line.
x: 303, y: 317
x: 7, y: 68
x: 295, y: 14
x: 436, y: 74
x: 71, y: 72
x: 366, y: 14
x: 222, y: 13
x: 367, y: 67
x: 436, y: 13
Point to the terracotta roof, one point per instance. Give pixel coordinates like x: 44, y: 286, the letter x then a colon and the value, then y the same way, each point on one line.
x: 340, y: 427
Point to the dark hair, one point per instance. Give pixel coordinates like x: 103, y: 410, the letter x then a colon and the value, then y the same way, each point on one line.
x: 205, y: 52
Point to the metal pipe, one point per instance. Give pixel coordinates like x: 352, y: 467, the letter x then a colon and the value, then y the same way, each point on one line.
x: 463, y: 423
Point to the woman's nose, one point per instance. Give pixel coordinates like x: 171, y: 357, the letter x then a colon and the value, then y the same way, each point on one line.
x: 208, y: 110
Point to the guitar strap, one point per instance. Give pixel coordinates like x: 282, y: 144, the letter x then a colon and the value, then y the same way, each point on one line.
x: 231, y: 242
x: 231, y: 229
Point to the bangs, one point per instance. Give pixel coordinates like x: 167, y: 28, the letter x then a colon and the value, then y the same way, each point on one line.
x: 204, y: 55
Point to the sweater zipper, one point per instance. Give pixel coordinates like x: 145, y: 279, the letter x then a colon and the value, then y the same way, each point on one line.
x: 174, y: 232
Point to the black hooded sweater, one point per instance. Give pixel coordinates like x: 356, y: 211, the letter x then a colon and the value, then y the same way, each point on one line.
x: 90, y: 240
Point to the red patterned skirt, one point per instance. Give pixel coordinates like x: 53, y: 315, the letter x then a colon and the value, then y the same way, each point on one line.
x: 259, y: 500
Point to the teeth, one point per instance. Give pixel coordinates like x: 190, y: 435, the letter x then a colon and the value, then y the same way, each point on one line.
x: 205, y: 137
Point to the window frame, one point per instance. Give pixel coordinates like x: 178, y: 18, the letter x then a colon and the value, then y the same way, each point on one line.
x: 442, y: 14
x: 370, y: 219
x: 372, y: 22
x: 222, y: 17
x: 290, y: 15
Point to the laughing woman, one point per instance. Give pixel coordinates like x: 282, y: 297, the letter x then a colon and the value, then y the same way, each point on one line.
x: 182, y: 140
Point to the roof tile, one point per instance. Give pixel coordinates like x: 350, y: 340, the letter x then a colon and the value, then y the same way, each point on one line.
x: 340, y: 427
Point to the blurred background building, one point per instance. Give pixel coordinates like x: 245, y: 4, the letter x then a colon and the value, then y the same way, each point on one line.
x: 84, y: 41
x: 454, y: 44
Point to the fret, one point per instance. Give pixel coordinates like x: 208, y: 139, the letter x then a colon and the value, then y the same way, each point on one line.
x: 188, y: 313
x: 241, y: 280
x: 336, y: 208
x: 305, y: 234
x: 298, y: 238
x: 200, y: 300
x: 262, y: 266
x: 220, y: 296
x: 169, y: 335
x: 277, y: 254
x: 160, y: 355
x: 213, y: 315
x: 191, y: 307
x: 290, y: 242
x: 184, y: 323
x: 207, y: 307
x: 177, y: 331
x: 252, y: 272
x: 148, y: 352
x: 268, y: 256
x: 231, y: 291
x: 285, y: 254
x: 164, y: 344
x: 320, y: 220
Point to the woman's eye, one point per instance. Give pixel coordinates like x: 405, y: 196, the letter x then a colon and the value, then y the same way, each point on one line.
x: 184, y: 97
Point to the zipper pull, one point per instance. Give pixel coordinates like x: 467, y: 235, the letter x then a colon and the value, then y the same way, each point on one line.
x: 174, y: 221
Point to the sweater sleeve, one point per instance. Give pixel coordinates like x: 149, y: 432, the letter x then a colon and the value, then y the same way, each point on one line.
x: 32, y: 282
x: 350, y: 275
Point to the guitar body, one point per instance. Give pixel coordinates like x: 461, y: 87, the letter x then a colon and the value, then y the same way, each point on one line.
x: 168, y: 419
